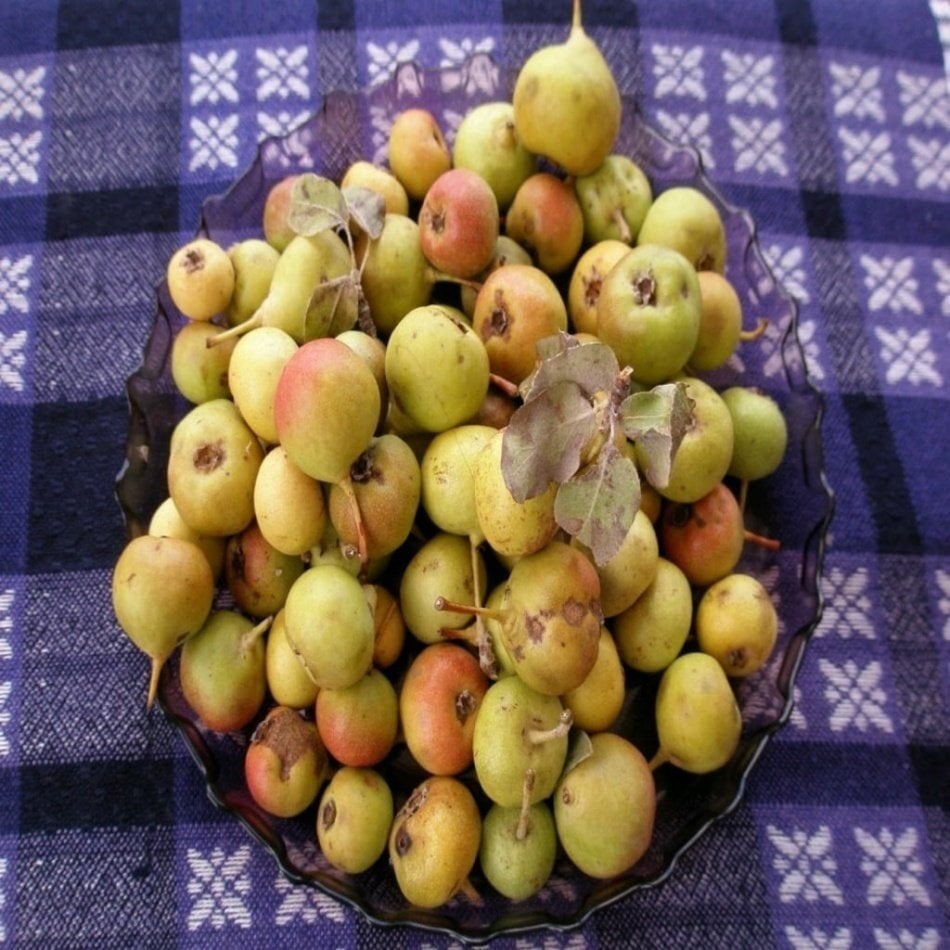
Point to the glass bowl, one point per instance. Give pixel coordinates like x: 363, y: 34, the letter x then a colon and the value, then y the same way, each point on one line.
x: 793, y: 505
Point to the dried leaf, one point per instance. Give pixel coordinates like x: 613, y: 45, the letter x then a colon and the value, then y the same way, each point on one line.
x: 592, y: 366
x: 367, y: 208
x: 316, y: 205
x: 597, y: 506
x: 657, y: 419
x: 544, y: 439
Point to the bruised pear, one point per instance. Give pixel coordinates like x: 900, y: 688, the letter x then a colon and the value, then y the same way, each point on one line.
x: 434, y: 841
x: 566, y: 102
x: 552, y: 618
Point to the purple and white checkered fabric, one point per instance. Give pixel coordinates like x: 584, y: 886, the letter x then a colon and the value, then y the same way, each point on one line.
x: 828, y: 119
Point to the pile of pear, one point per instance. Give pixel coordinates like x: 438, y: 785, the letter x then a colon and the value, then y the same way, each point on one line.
x: 339, y: 564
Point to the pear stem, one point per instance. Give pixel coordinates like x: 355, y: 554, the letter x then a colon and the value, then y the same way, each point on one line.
x: 563, y: 727
x: 757, y: 331
x: 505, y: 385
x: 576, y: 17
x: 157, y: 663
x: 467, y: 889
x: 248, y: 638
x: 486, y: 653
x: 439, y: 276
x: 239, y: 329
x: 660, y: 758
x: 524, y: 819
x: 770, y: 544
x: 622, y: 226
x: 453, y: 607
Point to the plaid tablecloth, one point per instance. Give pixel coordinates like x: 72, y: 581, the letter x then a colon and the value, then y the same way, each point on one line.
x: 828, y: 119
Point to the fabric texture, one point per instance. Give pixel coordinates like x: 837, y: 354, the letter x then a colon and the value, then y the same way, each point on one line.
x: 829, y: 120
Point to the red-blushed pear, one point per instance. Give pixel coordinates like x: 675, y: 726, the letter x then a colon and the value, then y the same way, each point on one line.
x: 326, y: 410
x: 359, y: 723
x: 458, y: 223
x: 704, y: 538
x: 545, y: 217
x: 518, y: 305
x: 417, y: 151
x: 276, y: 223
x: 285, y: 765
x: 438, y: 703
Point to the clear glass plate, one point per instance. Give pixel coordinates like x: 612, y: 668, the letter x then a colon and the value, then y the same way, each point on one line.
x: 793, y: 505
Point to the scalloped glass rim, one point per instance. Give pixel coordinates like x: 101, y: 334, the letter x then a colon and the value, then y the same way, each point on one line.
x: 796, y: 502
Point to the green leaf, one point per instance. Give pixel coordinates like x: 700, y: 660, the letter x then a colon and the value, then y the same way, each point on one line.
x: 657, y: 419
x: 592, y: 366
x: 316, y: 205
x: 597, y: 506
x: 367, y: 208
x: 544, y: 439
